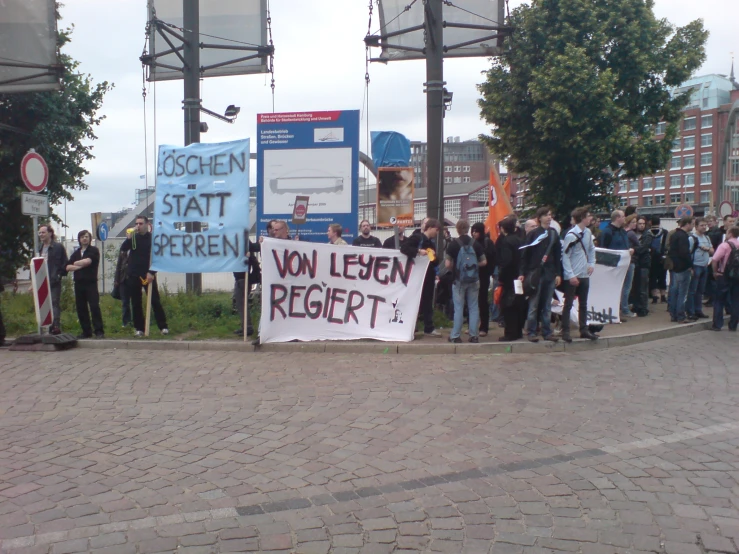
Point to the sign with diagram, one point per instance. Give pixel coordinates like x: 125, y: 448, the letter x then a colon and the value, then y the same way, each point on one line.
x: 314, y: 154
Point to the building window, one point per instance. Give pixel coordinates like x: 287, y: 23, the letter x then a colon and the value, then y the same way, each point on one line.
x: 448, y: 180
x: 707, y: 140
x: 622, y: 201
x: 675, y: 181
x: 649, y: 201
x: 675, y: 198
x: 457, y: 180
x: 676, y: 145
x: 705, y: 197
x: 706, y: 177
x: 647, y: 184
x: 689, y: 161
x: 633, y: 185
x: 479, y: 196
x: 453, y: 208
x: 623, y: 186
x: 659, y: 199
x: 706, y: 121
x: 457, y: 168
x: 689, y: 197
x: 707, y: 159
x: 447, y: 168
x: 659, y: 183
x: 465, y: 179
x: 734, y: 167
x: 689, y: 179
x: 675, y: 162
x: 689, y: 123
x: 465, y: 169
x: 660, y: 130
x: 633, y: 200
x: 689, y: 143
x: 419, y: 210
x: 476, y: 217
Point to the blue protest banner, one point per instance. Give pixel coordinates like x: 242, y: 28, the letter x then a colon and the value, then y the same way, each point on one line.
x: 206, y: 184
x: 313, y: 154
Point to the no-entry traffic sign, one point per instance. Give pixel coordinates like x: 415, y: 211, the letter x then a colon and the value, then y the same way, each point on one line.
x: 34, y: 172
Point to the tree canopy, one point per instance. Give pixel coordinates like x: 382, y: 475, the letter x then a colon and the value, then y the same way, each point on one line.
x: 59, y: 126
x: 574, y: 100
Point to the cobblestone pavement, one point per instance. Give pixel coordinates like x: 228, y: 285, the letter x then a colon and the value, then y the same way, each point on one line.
x: 624, y: 450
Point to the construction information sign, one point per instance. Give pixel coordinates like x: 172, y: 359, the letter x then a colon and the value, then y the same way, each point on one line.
x: 314, y: 154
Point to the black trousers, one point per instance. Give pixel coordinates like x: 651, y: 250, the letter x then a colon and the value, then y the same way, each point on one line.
x: 581, y: 292
x: 134, y: 291
x: 86, y: 294
x: 484, y: 303
x: 640, y: 290
x: 426, y: 308
x: 514, y: 314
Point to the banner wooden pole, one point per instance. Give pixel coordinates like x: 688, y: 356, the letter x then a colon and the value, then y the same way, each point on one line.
x: 148, y: 308
x: 246, y: 304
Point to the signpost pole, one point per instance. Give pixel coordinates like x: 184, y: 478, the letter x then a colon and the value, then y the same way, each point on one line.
x: 35, y: 236
x: 191, y: 104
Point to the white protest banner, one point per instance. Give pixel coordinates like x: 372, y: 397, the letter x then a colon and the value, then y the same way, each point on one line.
x: 606, y: 282
x: 323, y: 292
x: 206, y: 184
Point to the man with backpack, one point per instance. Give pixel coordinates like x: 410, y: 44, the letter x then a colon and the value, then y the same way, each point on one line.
x: 702, y: 250
x: 658, y: 272
x: 540, y: 274
x: 726, y: 272
x: 465, y: 257
x: 578, y: 262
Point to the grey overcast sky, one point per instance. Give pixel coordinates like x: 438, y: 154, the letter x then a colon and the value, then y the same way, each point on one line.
x: 320, y: 65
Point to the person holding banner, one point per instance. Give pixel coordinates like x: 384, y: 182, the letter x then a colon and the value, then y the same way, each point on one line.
x: 423, y: 243
x: 578, y: 263
x: 139, y: 276
x: 540, y: 270
x: 56, y: 262
x: 334, y: 235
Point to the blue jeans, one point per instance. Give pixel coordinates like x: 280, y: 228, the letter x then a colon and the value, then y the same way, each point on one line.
x: 460, y: 293
x: 697, y: 287
x: 679, y: 284
x: 540, y: 309
x: 726, y: 294
x: 626, y: 289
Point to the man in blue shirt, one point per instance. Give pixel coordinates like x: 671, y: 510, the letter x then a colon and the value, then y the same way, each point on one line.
x: 578, y: 263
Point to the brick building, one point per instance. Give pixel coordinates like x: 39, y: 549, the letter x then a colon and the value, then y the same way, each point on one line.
x: 464, y: 162
x: 704, y: 169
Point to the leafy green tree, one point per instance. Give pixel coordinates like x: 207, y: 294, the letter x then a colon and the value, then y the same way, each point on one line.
x: 59, y: 126
x: 574, y: 100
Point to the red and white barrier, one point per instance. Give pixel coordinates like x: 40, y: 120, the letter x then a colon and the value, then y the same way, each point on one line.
x: 41, y: 291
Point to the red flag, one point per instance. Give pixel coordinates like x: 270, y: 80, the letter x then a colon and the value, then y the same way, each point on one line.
x: 499, y: 204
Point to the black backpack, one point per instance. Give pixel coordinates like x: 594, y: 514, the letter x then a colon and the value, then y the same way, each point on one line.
x: 731, y: 270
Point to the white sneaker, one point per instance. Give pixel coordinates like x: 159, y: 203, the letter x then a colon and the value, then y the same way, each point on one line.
x: 139, y: 334
x: 165, y: 331
x: 433, y: 333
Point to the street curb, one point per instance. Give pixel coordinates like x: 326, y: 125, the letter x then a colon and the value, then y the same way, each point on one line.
x: 415, y: 348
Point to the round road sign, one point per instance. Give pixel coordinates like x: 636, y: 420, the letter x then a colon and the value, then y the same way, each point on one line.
x: 725, y: 208
x: 102, y: 231
x: 34, y: 172
x: 683, y: 210
x: 300, y: 211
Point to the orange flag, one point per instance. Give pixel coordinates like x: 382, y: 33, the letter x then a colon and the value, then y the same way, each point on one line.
x: 507, y: 186
x: 499, y: 204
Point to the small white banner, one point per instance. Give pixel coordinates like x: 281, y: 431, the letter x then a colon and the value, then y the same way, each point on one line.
x: 606, y: 282
x: 316, y: 291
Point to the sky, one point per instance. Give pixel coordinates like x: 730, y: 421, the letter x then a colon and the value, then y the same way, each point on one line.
x: 319, y: 65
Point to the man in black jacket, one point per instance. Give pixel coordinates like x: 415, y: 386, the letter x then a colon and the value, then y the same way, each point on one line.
x: 84, y: 263
x: 542, y: 249
x: 423, y: 243
x: 485, y: 272
x: 682, y: 269
x: 56, y: 263
x: 139, y: 276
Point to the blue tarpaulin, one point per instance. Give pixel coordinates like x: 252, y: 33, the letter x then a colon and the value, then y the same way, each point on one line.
x: 390, y: 149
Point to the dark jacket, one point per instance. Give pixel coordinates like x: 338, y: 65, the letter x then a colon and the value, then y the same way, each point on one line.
x: 56, y: 261
x: 87, y: 274
x: 508, y: 259
x: 416, y: 242
x: 389, y: 243
x: 255, y: 270
x: 614, y: 238
x: 371, y: 242
x: 488, y: 248
x: 139, y: 255
x: 643, y: 253
x: 532, y: 256
x: 716, y: 234
x: 682, y: 259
